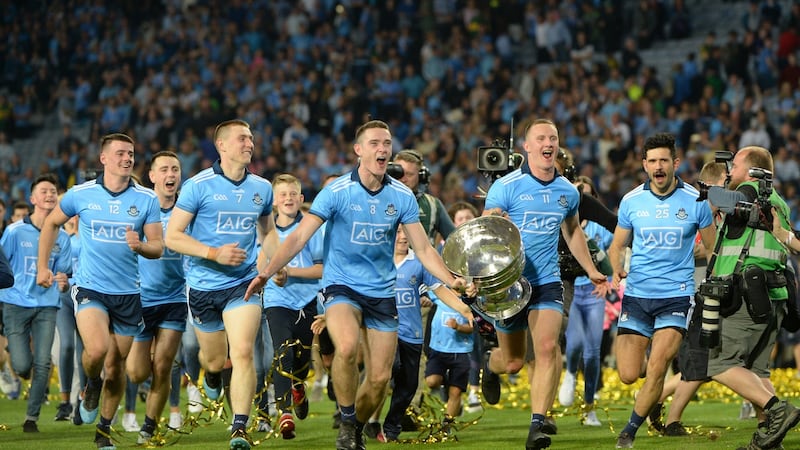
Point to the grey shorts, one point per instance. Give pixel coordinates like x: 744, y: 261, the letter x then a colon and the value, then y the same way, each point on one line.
x: 738, y: 338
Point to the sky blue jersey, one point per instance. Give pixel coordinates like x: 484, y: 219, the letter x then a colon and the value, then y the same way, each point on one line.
x: 445, y: 339
x: 224, y: 212
x: 663, y: 229
x: 412, y: 281
x: 360, y: 233
x: 602, y: 237
x: 163, y: 279
x: 20, y: 242
x: 537, y: 208
x: 75, y: 246
x: 108, y: 265
x: 297, y: 292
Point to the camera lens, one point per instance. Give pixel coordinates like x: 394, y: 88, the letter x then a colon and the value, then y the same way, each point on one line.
x: 395, y: 171
x: 493, y: 157
x: 709, y: 332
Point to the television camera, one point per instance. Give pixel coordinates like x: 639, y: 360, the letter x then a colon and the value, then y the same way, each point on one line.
x: 497, y: 160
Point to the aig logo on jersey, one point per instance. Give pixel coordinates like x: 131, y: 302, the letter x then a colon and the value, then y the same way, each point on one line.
x: 369, y: 233
x: 405, y: 298
x: 112, y: 232
x: 662, y: 238
x: 30, y: 265
x: 235, y: 222
x: 534, y: 222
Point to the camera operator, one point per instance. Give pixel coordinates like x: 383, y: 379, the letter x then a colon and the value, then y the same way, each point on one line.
x: 432, y: 213
x: 407, y: 166
x: 748, y: 333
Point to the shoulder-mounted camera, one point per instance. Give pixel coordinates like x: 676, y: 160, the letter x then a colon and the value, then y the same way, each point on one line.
x: 497, y: 160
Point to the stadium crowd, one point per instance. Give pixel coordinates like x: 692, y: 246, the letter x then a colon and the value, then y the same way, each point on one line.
x: 447, y: 76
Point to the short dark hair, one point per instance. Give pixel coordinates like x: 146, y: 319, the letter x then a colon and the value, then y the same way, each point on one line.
x: 107, y: 139
x: 20, y: 204
x: 458, y: 206
x: 164, y: 154
x: 660, y: 140
x: 44, y: 178
x: 371, y: 124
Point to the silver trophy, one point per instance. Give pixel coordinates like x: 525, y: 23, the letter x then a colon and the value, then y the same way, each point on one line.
x: 489, y: 252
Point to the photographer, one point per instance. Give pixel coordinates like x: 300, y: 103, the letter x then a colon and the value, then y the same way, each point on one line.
x: 432, y: 213
x: 748, y: 329
x: 407, y: 166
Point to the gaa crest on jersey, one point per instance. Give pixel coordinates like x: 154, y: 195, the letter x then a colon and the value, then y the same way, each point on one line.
x: 682, y: 214
x: 391, y: 210
x: 413, y: 280
x: 562, y: 201
x: 257, y: 200
x: 133, y: 211
x: 56, y: 248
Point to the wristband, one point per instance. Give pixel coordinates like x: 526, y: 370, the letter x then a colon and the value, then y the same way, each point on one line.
x: 212, y: 253
x: 789, y: 237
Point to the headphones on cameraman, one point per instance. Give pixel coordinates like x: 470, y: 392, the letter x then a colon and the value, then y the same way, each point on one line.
x: 570, y: 171
x: 424, y: 173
